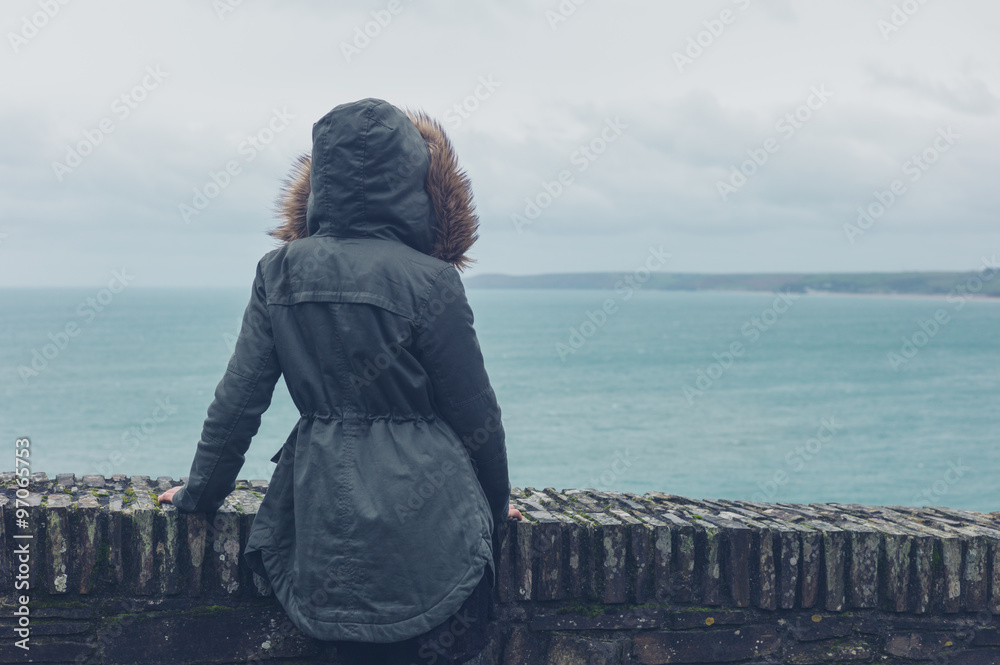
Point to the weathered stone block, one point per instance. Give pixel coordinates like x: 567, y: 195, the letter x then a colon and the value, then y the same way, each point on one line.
x: 922, y: 587
x: 168, y: 550
x: 523, y: 560
x: 598, y: 617
x: 921, y: 646
x: 548, y: 546
x: 683, y: 572
x: 525, y: 648
x: 704, y: 646
x: 707, y: 546
x: 140, y: 526
x: 989, y: 637
x: 812, y: 551
x: 951, y: 574
x: 567, y: 650
x: 222, y: 549
x: 790, y: 563
x: 765, y: 577
x: 863, y: 588
x: 834, y: 558
x: 643, y: 574
x: 697, y: 618
x: 58, y: 542
x: 578, y: 561
x: 194, y: 529
x: 975, y: 590
x: 223, y: 635
x: 897, y: 564
x: 612, y: 549
x: 663, y: 562
x: 830, y: 651
x: 976, y: 657
x: 820, y: 627
x: 740, y: 544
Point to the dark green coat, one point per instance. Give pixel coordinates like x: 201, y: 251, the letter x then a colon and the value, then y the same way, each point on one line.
x: 378, y: 519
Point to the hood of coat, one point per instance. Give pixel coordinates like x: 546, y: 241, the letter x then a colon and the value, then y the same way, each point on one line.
x: 376, y: 171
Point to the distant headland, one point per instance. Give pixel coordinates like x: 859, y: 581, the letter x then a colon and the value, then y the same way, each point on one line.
x: 975, y: 283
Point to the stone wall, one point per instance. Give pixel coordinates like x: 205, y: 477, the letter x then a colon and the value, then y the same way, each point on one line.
x: 588, y: 577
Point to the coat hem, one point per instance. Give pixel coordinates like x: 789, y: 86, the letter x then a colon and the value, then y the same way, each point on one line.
x: 368, y: 632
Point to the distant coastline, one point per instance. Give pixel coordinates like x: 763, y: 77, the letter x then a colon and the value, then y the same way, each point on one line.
x: 940, y: 284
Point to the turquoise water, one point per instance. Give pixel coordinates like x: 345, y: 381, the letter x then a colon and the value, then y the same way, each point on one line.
x: 807, y: 408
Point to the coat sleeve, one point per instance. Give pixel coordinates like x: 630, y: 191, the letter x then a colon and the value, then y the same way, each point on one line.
x: 449, y: 351
x: 241, y: 397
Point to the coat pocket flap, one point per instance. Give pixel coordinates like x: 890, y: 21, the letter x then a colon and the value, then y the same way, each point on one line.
x: 291, y: 438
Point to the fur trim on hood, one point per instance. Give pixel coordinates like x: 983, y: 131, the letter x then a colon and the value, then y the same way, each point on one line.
x: 447, y: 186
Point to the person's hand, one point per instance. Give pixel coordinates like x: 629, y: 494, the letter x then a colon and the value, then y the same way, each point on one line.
x: 167, y: 497
x: 514, y: 514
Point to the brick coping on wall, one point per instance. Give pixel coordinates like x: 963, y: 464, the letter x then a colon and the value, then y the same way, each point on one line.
x: 582, y: 561
x: 652, y: 546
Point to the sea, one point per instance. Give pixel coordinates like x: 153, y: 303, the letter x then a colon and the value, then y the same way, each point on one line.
x: 772, y: 397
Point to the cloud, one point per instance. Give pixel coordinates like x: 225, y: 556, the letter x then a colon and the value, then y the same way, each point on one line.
x: 658, y: 181
x: 966, y: 94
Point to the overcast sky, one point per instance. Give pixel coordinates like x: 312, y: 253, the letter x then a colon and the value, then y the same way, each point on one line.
x: 833, y: 100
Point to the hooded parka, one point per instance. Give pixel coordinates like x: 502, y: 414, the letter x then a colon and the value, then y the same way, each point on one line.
x: 379, y: 518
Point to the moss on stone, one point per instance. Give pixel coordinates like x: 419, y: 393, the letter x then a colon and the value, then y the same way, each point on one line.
x: 257, y: 494
x: 590, y: 609
x: 206, y: 610
x: 103, y: 560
